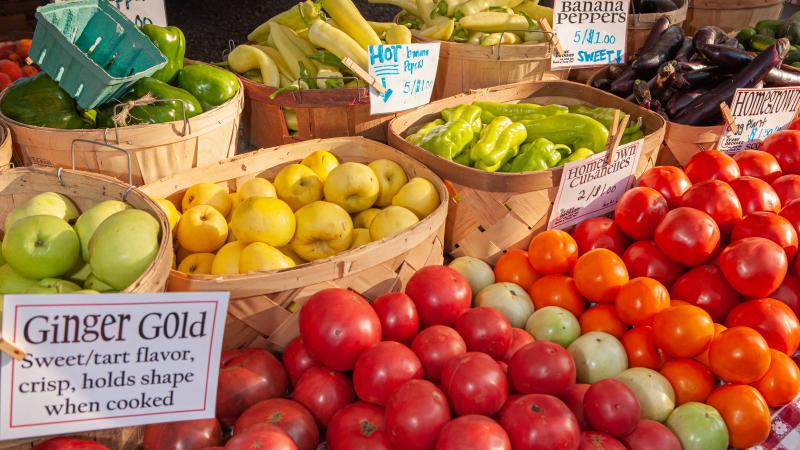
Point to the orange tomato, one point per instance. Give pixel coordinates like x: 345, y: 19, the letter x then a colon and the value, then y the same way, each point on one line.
x: 600, y: 274
x: 514, y: 267
x: 640, y: 300
x: 683, y: 331
x: 692, y: 381
x: 602, y: 317
x: 739, y: 355
x: 674, y: 302
x: 641, y: 348
x: 745, y: 414
x: 557, y: 290
x: 781, y: 384
x: 553, y: 251
x: 703, y: 357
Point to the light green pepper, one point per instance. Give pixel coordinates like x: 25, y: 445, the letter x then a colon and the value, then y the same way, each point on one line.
x: 499, y: 143
x: 575, y: 130
x: 540, y: 154
x: 416, y: 138
x: 448, y: 140
x: 470, y: 113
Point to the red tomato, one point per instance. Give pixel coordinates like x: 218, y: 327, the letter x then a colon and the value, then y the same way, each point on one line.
x: 297, y: 360
x: 475, y: 384
x: 597, y: 440
x: 263, y: 437
x: 784, y: 145
x: 652, y: 435
x: 435, y: 346
x: 473, y: 432
x: 640, y: 346
x: 542, y: 367
x: 188, y: 434
x: 600, y: 232
x: 337, y: 325
x: 711, y: 165
x: 415, y: 414
x: 440, y: 294
x: 485, y: 330
x: 509, y: 400
x: 670, y: 181
x: 706, y: 287
x: 644, y: 259
x: 774, y: 320
x: 519, y: 338
x: 787, y: 187
x: 717, y: 199
x: 638, y: 212
x: 288, y: 415
x: 612, y: 407
x: 687, y: 236
x: 358, y: 426
x: 382, y: 369
x: 754, y: 266
x: 246, y: 377
x: 573, y: 398
x: 770, y: 226
x: 789, y: 292
x: 323, y: 392
x: 759, y: 164
x: 538, y: 421
x: 398, y: 316
x: 794, y: 125
x: 68, y: 443
x: 755, y: 195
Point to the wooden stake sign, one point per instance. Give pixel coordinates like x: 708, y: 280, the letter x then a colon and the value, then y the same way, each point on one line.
x: 364, y: 75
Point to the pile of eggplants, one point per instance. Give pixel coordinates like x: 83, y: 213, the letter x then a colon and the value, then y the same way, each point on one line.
x: 685, y: 78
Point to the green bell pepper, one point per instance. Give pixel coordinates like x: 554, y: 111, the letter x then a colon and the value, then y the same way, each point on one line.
x: 39, y: 101
x: 160, y: 112
x: 518, y: 111
x: 210, y: 85
x: 577, y: 155
x: 470, y: 113
x: 448, y: 140
x: 499, y: 143
x: 570, y: 129
x: 604, y: 116
x: 172, y: 44
x: 540, y: 154
x: 417, y: 137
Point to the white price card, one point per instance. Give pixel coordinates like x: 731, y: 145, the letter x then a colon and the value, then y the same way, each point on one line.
x: 592, y: 33
x: 757, y: 114
x: 109, y: 360
x: 591, y: 187
x: 407, y: 72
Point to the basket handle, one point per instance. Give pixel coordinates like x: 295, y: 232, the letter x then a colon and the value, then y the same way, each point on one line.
x: 186, y: 125
x: 104, y: 144
x: 10, y: 165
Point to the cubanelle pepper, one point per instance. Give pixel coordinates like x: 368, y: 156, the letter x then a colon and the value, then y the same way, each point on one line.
x: 499, y: 143
x: 210, y: 85
x: 541, y: 154
x: 518, y: 111
x: 575, y: 130
x: 39, y: 101
x: 470, y: 113
x: 417, y: 137
x: 159, y: 112
x: 171, y: 42
x: 604, y: 116
x: 448, y: 140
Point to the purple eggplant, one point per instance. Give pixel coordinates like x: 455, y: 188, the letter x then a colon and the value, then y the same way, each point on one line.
x: 623, y: 83
x: 686, y: 50
x: 778, y: 77
x: 734, y: 58
x: 664, y: 50
x: 709, y: 35
x: 704, y: 110
x: 688, y: 66
x: 730, y: 42
x: 695, y: 79
x: 661, y: 25
x: 663, y: 79
x: 604, y: 84
x: 615, y: 70
x: 641, y: 94
x: 652, y: 6
x: 681, y: 100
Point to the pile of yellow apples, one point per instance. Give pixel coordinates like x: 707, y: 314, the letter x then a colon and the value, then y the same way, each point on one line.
x: 310, y: 211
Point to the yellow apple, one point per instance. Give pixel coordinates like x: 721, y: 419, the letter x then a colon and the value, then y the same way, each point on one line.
x: 262, y: 219
x: 321, y: 162
x: 202, y: 229
x: 391, y: 177
x: 364, y: 218
x: 170, y: 210
x: 197, y: 264
x: 181, y: 253
x: 261, y: 257
x: 419, y: 195
x: 256, y: 187
x: 360, y: 237
x: 391, y: 221
x: 298, y: 186
x: 236, y: 200
x: 289, y: 251
x: 323, y: 229
x: 353, y: 186
x: 207, y: 194
x: 226, y: 262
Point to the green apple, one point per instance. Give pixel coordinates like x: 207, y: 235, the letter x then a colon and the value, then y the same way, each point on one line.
x: 323, y: 229
x: 53, y: 286
x: 353, y: 186
x: 46, y: 203
x: 78, y: 273
x: 13, y: 283
x: 123, y: 246
x: 93, y: 284
x: 298, y: 186
x: 391, y: 177
x: 2, y: 260
x: 92, y: 218
x: 41, y: 247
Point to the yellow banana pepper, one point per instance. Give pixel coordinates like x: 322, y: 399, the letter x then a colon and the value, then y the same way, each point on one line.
x: 441, y: 31
x: 246, y: 57
x: 297, y: 18
x: 500, y: 38
x: 398, y: 34
x: 275, y: 55
x: 381, y: 27
x: 475, y: 6
x: 494, y: 22
x: 408, y: 5
x: 293, y: 56
x: 536, y: 11
x: 350, y: 20
x: 336, y: 41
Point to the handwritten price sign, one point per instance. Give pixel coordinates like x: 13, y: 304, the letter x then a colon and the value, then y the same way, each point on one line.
x: 407, y: 73
x: 591, y: 32
x: 758, y: 113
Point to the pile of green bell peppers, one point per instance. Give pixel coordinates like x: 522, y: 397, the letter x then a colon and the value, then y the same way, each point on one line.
x: 519, y: 137
x: 185, y: 90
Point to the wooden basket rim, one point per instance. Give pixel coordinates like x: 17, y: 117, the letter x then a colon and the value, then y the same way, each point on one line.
x: 733, y: 4
x: 308, y: 98
x: 676, y: 17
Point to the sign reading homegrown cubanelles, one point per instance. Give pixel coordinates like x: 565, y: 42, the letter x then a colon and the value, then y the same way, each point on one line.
x: 407, y: 73
x: 757, y: 114
x: 592, y: 33
x: 107, y: 361
x: 591, y: 187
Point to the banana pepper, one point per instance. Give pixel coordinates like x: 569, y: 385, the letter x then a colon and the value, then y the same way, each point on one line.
x: 39, y: 101
x: 476, y: 6
x: 417, y: 137
x: 408, y: 5
x: 245, y: 57
x: 171, y: 42
x: 294, y: 57
x: 570, y: 129
x: 577, y: 155
x: 440, y: 31
x: 297, y: 18
x: 210, y: 85
x: 499, y: 143
x: 398, y: 34
x: 540, y: 154
x: 470, y: 113
x: 500, y: 39
x: 336, y: 41
x: 350, y: 20
x: 536, y: 11
x: 494, y: 22
x: 448, y: 140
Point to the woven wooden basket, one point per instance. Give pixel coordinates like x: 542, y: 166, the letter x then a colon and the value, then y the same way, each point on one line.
x: 264, y: 307
x: 5, y: 147
x: 156, y: 150
x: 730, y: 15
x: 492, y: 212
x: 639, y: 25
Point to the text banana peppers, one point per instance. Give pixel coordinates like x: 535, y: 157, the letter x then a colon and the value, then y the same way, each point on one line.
x: 499, y: 143
x: 448, y: 140
x: 172, y: 44
x: 211, y: 86
x: 570, y: 129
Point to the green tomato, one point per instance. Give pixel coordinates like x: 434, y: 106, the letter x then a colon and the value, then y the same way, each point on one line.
x: 597, y: 355
x: 508, y: 298
x: 655, y: 394
x: 698, y: 427
x: 554, y: 324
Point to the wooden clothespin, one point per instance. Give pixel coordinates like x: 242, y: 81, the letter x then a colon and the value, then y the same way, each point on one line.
x: 728, y: 116
x: 364, y: 75
x: 12, y: 350
x: 615, y: 136
x: 545, y: 27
